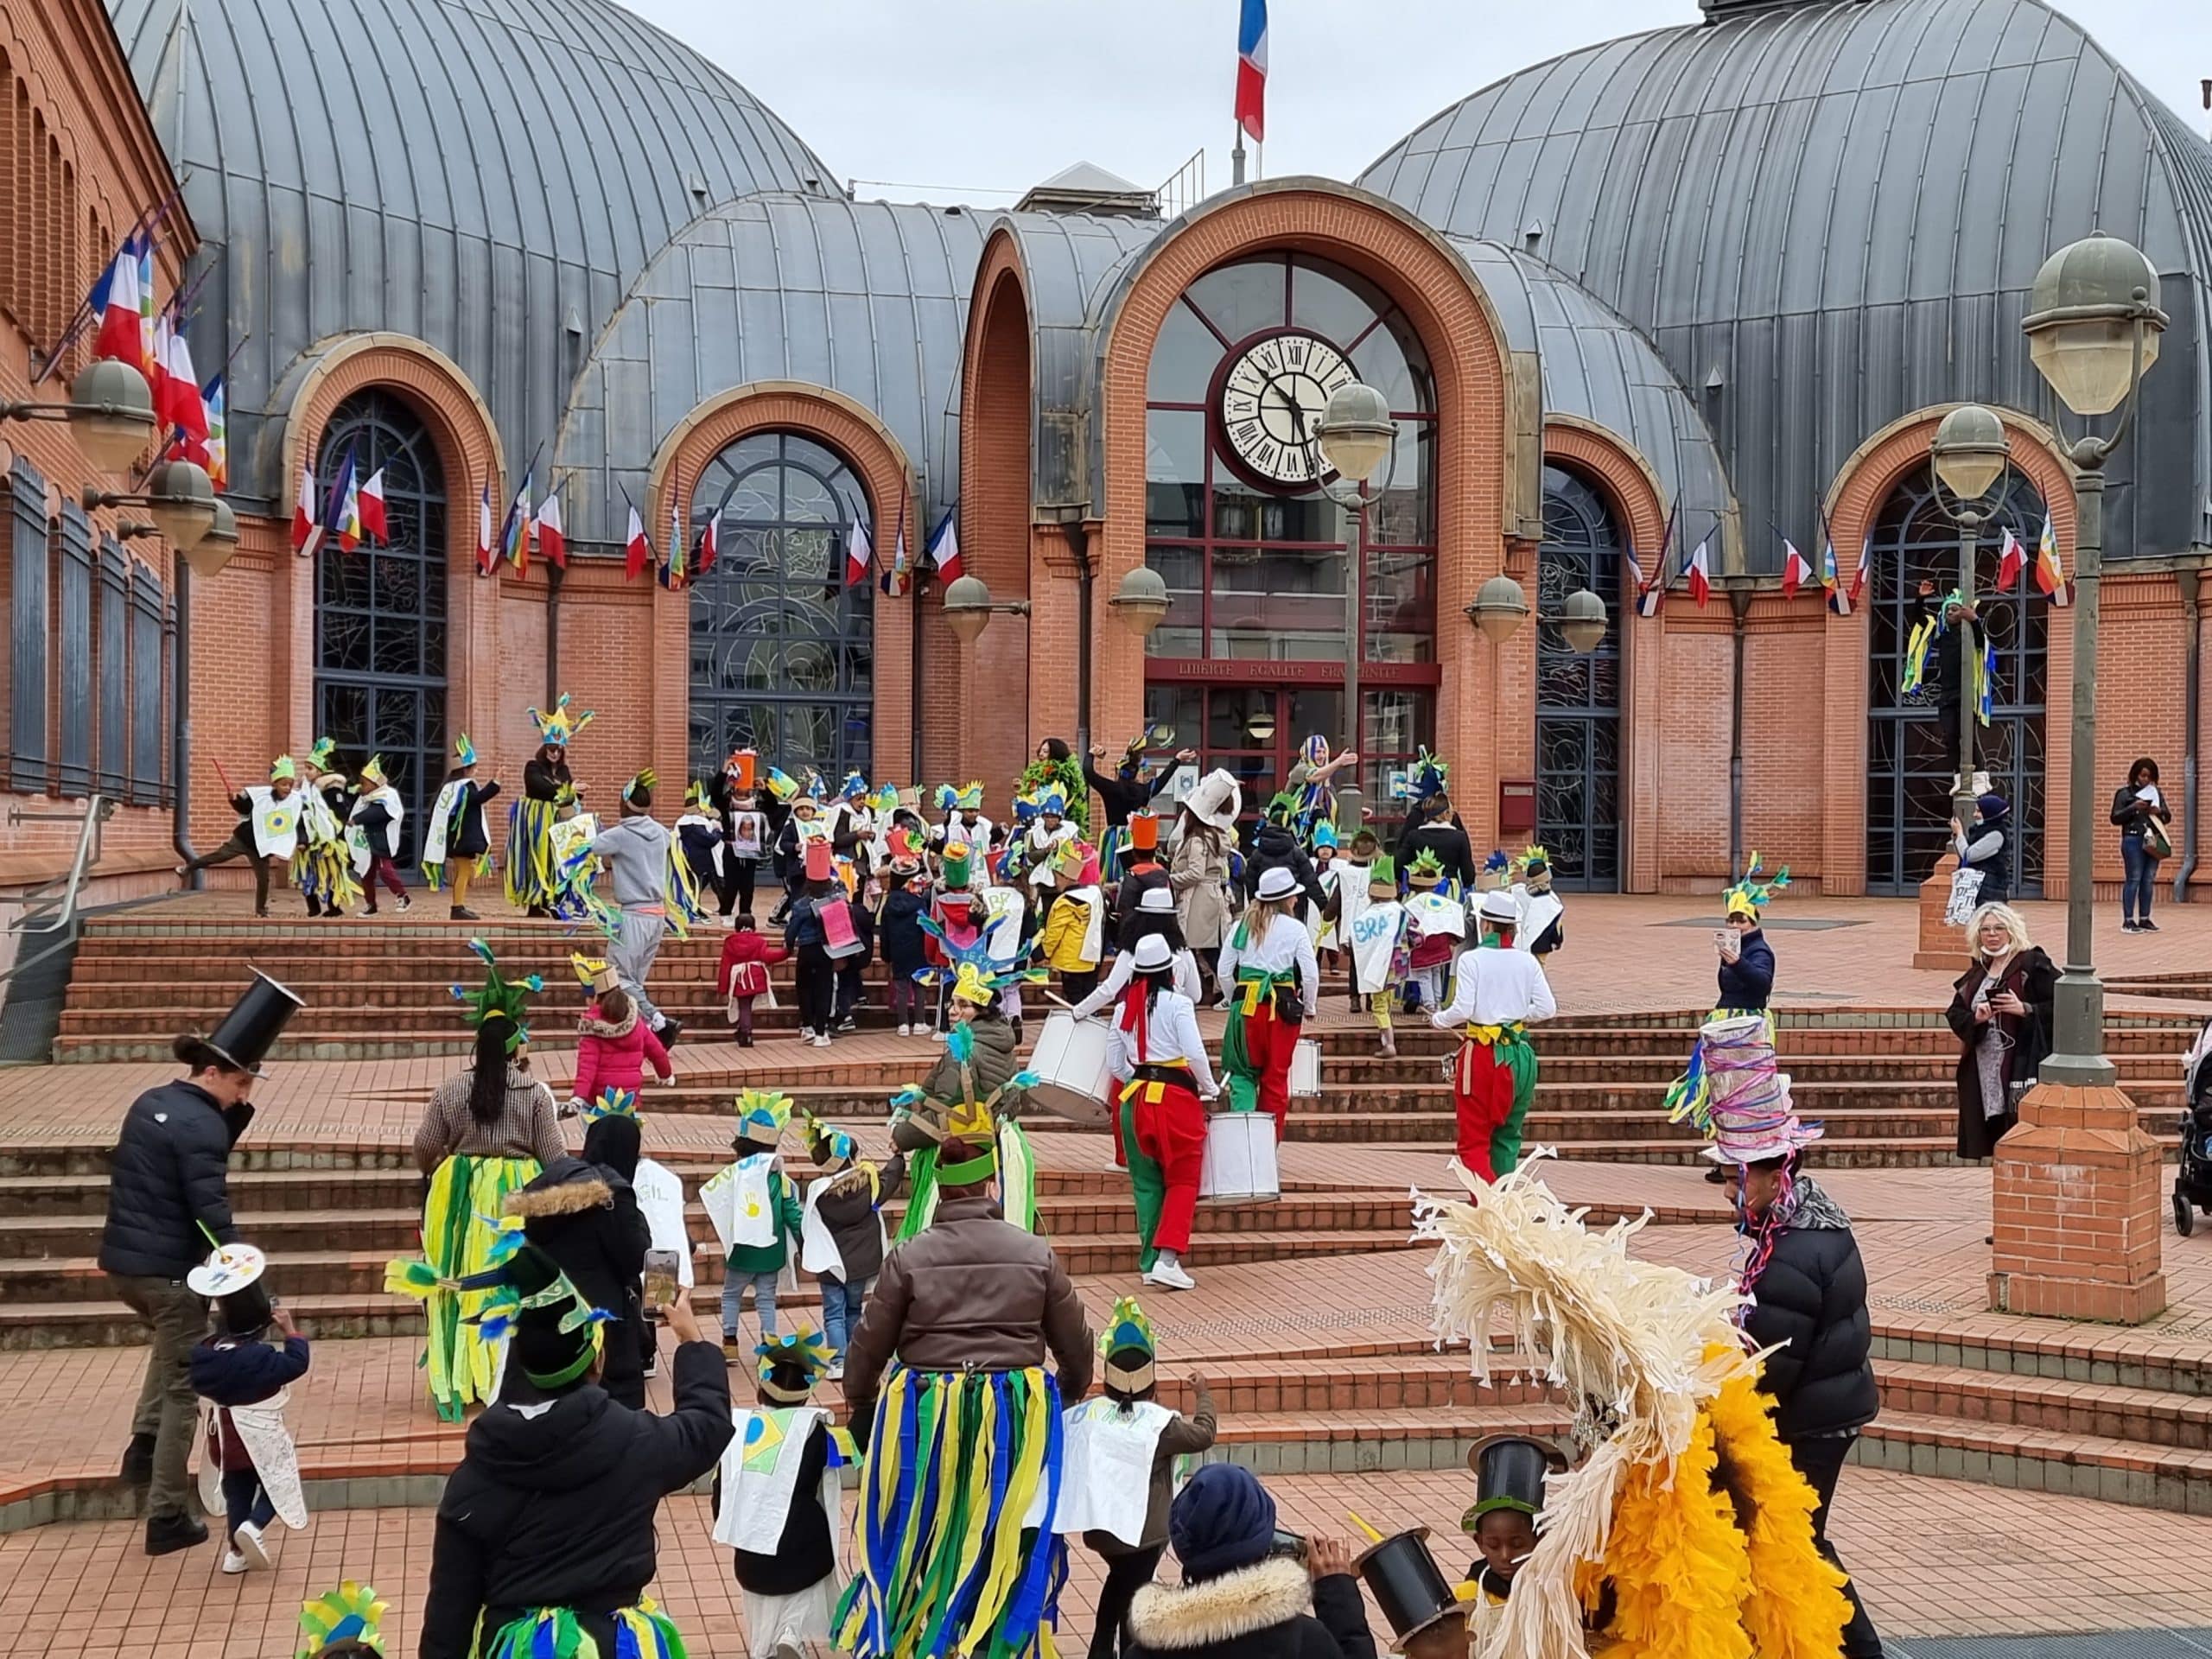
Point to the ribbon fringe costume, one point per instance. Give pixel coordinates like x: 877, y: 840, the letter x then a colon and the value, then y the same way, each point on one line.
x: 463, y: 1235
x: 533, y: 863
x: 323, y: 863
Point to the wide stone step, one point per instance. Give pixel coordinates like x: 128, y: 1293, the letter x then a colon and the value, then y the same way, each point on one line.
x: 2064, y: 1461
x: 2140, y: 1416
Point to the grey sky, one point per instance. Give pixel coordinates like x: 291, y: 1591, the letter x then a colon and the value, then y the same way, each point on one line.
x: 965, y: 96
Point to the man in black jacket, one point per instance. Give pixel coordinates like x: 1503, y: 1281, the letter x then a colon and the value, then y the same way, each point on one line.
x: 168, y: 1205
x: 1809, y: 1297
x: 553, y: 1505
x: 584, y: 1214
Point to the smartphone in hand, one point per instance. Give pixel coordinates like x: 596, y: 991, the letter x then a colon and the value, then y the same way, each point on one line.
x: 660, y: 1277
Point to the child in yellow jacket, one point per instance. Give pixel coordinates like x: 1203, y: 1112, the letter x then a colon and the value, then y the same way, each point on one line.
x: 1074, y: 935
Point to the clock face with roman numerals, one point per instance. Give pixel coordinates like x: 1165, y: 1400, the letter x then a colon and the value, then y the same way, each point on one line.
x: 1272, y: 396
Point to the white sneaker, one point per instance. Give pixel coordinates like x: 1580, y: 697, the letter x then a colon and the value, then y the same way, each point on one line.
x: 906, y: 1030
x: 836, y: 1372
x: 247, y: 1542
x: 1170, y: 1274
x: 821, y: 1041
x: 232, y: 1561
x: 936, y: 1036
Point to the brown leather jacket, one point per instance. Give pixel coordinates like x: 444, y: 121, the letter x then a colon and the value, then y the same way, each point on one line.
x: 970, y: 1293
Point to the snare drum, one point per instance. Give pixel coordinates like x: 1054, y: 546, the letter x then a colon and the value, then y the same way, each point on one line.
x: 1305, y: 1068
x: 1240, y: 1159
x: 1075, y: 1063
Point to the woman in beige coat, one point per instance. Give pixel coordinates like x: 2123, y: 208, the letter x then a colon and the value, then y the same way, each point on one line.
x: 1197, y: 870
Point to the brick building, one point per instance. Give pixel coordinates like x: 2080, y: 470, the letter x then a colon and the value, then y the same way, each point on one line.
x: 1723, y: 278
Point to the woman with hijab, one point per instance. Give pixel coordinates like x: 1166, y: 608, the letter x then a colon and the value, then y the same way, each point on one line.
x: 1987, y: 849
x: 2001, y: 1010
x: 490, y: 1130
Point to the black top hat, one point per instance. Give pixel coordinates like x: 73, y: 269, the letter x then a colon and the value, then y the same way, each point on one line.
x: 1402, y: 1576
x: 250, y: 1029
x: 1510, y: 1471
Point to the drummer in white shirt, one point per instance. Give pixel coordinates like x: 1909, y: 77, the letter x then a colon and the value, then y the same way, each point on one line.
x: 1268, y: 973
x: 1155, y: 914
x: 1161, y: 1063
x: 1496, y: 992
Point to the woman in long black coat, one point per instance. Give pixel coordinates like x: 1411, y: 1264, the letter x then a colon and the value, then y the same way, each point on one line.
x: 584, y: 1215
x: 2001, y: 1010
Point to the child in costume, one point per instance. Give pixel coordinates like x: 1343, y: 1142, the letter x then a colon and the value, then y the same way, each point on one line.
x: 457, y: 844
x: 323, y: 864
x: 977, y: 1076
x: 1379, y: 936
x: 842, y: 1240
x: 1122, y: 1519
x: 1006, y: 937
x: 546, y: 1533
x: 1509, y: 1474
x: 1746, y: 973
x: 742, y: 978
x: 268, y: 828
x: 899, y: 932
x: 1436, y: 915
x: 765, y: 1217
x: 1543, y: 918
x: 1160, y: 1062
x: 372, y: 835
x: 958, y: 913
x: 653, y: 897
x: 1497, y: 992
x: 745, y: 837
x: 249, y: 1469
x: 1055, y: 771
x: 533, y: 867
x: 614, y: 1046
x: 778, y: 1504
x: 1683, y: 1532
x: 1273, y: 984
x: 805, y: 938
x: 1044, y: 829
x: 699, y: 833
x: 1074, y: 936
x: 490, y: 1131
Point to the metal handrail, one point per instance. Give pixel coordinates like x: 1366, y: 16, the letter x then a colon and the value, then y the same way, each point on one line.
x: 51, y: 907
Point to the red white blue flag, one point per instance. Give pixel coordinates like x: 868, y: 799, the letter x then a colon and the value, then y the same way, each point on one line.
x: 943, y: 546
x: 1700, y: 575
x: 1252, y: 69
x: 1796, y: 568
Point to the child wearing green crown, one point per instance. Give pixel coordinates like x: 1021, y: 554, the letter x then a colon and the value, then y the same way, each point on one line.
x: 756, y: 1212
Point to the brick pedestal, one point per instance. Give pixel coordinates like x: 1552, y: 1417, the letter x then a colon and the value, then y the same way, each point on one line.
x: 2076, y: 1204
x: 1941, y: 944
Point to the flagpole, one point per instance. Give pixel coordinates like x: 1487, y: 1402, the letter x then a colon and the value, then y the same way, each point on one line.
x: 1236, y: 158
x: 554, y: 575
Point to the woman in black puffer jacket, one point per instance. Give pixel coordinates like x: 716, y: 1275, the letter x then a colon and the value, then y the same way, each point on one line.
x: 1809, y: 1302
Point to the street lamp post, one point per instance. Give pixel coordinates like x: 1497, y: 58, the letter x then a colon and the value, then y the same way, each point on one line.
x: 1969, y: 455
x: 1501, y: 607
x: 1355, y: 437
x: 1139, y: 603
x: 2092, y: 331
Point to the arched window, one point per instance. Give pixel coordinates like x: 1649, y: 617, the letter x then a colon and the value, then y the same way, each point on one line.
x: 1579, y: 693
x: 1908, y: 782
x: 1251, y: 660
x: 380, y: 610
x: 781, y: 645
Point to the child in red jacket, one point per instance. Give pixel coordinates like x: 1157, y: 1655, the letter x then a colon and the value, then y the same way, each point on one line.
x: 613, y: 1046
x: 746, y: 959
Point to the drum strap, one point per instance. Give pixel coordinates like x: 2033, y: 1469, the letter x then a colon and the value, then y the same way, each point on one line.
x: 1152, y: 1080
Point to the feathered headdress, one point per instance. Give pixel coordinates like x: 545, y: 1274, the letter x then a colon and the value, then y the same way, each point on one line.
x: 815, y: 789
x: 464, y: 751
x: 883, y: 800
x: 1751, y: 895
x: 1533, y: 859
x: 284, y: 767
x: 1426, y: 870
x: 560, y: 726
x: 373, y: 772
x: 498, y: 999
x: 613, y: 1102
x: 341, y: 1621
x: 830, y: 1146
x: 1128, y: 1330
x: 803, y: 1350
x: 762, y: 1114
x: 854, y: 788
x: 968, y: 798
x: 970, y: 1119
x: 645, y: 778
x: 1035, y: 803
x: 593, y: 973
x: 1429, y: 778
x: 1325, y: 836
x: 525, y: 1284
x: 695, y: 796
x: 1497, y: 869
x: 974, y: 973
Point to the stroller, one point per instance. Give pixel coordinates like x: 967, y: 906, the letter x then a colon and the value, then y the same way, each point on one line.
x: 2193, y: 1181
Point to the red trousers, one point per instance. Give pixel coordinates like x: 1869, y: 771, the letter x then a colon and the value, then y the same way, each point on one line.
x: 1482, y: 1092
x: 1172, y: 1131
x: 1270, y: 1044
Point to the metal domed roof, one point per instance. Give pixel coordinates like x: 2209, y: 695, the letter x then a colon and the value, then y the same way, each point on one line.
x: 489, y: 176
x: 1828, y: 214
x: 865, y: 298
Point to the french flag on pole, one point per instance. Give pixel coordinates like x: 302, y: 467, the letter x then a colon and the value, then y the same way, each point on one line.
x: 2012, y: 559
x: 552, y: 534
x: 943, y: 546
x: 636, y: 551
x: 306, y: 532
x: 1700, y: 575
x: 860, y: 554
x: 1796, y: 568
x: 117, y: 305
x: 1252, y: 69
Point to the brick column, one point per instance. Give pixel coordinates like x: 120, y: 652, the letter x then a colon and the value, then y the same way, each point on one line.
x: 2076, y: 1207
x: 1941, y: 945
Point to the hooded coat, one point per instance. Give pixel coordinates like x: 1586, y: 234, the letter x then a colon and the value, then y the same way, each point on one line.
x: 994, y: 1063
x: 1268, y: 1611
x: 168, y: 1178
x: 553, y: 1505
x: 586, y: 1218
x: 1273, y: 847
x: 614, y: 1054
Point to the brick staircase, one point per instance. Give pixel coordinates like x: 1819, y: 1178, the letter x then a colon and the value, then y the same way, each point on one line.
x: 2128, y: 1420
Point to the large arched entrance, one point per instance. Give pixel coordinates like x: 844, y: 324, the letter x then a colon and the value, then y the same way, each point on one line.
x: 782, y: 657
x: 1908, y: 787
x: 380, y: 610
x: 1579, y: 693
x: 1251, y: 660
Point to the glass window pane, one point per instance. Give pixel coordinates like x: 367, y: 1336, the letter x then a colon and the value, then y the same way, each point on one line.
x: 1243, y: 513
x: 1184, y: 570
x: 1401, y: 605
x: 1183, y: 360
x: 1175, y: 472
x: 1244, y: 298
x: 1278, y: 605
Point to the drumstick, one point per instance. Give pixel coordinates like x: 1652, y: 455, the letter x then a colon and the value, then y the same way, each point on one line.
x: 1373, y: 1537
x: 1057, y: 1000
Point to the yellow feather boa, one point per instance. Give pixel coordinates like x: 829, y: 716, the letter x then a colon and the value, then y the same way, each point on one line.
x: 1686, y: 1583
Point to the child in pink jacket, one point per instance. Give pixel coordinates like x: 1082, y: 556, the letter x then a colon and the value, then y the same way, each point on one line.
x: 612, y: 1048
